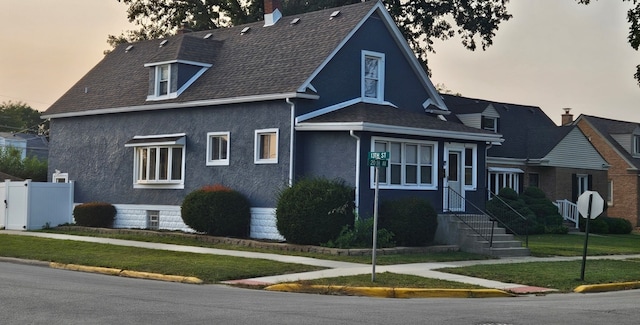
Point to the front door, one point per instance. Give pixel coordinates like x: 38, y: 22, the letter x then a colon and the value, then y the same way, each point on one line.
x: 454, y: 191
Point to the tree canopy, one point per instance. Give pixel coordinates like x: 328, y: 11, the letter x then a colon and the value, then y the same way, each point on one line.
x: 420, y: 21
x: 20, y: 117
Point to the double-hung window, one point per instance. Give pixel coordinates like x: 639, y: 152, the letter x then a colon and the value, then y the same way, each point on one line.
x: 158, y: 161
x: 372, y: 76
x: 636, y: 145
x: 217, y: 148
x: 266, y: 146
x: 412, y: 164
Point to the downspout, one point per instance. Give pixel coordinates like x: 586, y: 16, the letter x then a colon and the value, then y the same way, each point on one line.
x: 357, y: 199
x: 291, y: 139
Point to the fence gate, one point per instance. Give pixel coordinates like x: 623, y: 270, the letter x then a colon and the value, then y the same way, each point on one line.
x: 33, y: 205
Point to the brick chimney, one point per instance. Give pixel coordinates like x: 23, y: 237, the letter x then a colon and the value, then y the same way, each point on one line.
x: 271, y: 12
x: 566, y: 117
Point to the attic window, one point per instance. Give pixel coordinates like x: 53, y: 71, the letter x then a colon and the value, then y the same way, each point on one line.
x: 245, y: 30
x: 372, y: 76
x: 636, y: 145
x: 168, y: 79
x: 334, y: 14
x: 295, y: 21
x: 163, y: 43
x: 162, y: 80
x: 490, y: 124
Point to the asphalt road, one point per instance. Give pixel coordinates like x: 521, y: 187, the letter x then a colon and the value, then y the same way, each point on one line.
x: 39, y: 295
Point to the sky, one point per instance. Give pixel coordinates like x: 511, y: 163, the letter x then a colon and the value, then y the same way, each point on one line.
x: 553, y: 54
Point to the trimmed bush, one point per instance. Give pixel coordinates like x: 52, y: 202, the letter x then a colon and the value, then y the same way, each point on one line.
x: 361, y: 236
x: 546, y: 213
x: 94, y: 214
x: 618, y: 226
x: 218, y: 211
x: 314, y: 210
x: 412, y: 220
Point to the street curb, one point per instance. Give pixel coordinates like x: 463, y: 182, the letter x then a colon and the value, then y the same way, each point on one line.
x: 607, y: 287
x: 126, y: 273
x: 383, y: 292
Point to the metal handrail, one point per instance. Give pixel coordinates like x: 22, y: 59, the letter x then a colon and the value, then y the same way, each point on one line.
x: 505, y: 225
x: 474, y: 221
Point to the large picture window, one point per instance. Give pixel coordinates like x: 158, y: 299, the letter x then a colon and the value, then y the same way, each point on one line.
x: 412, y: 164
x: 158, y: 161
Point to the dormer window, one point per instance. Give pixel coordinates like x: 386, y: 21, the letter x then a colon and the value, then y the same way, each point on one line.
x: 162, y: 80
x: 490, y: 124
x: 372, y: 76
x: 636, y: 145
x: 169, y: 79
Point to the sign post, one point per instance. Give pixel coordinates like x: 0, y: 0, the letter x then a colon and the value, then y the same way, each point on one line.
x: 377, y: 160
x: 590, y: 205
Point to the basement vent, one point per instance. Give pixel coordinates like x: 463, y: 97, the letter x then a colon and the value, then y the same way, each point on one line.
x: 245, y: 30
x: 163, y: 43
x: 335, y: 14
x: 295, y: 21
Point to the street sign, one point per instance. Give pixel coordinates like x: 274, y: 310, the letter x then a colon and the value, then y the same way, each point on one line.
x: 382, y: 155
x: 593, y: 200
x: 378, y: 163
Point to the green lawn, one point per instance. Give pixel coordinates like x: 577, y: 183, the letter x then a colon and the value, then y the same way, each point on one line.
x: 563, y: 276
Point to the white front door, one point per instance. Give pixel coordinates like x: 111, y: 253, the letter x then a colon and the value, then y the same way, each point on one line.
x: 454, y: 191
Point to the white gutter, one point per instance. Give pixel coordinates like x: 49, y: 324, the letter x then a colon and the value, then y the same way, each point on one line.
x: 357, y: 198
x: 160, y: 106
x: 291, y: 139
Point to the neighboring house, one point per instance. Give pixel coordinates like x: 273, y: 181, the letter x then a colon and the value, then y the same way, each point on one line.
x: 5, y: 176
x: 560, y: 160
x: 256, y: 107
x: 28, y: 144
x: 619, y: 144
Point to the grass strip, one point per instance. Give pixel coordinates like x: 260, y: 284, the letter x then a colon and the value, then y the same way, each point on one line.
x: 209, y: 268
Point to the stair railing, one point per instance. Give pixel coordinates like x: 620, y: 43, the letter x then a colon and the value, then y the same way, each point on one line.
x: 510, y: 221
x: 569, y: 211
x: 477, y: 220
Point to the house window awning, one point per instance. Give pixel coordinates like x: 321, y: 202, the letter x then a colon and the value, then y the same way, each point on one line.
x: 156, y: 140
x: 505, y: 170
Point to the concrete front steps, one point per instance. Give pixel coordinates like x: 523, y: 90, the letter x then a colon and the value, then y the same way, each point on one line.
x: 459, y: 233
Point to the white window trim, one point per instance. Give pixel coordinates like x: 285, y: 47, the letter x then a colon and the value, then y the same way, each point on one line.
x: 610, y: 194
x: 257, y: 159
x: 153, y: 141
x: 494, y: 129
x: 381, y: 76
x: 474, y: 168
x: 434, y: 166
x: 59, y: 177
x: 635, y: 142
x: 217, y: 162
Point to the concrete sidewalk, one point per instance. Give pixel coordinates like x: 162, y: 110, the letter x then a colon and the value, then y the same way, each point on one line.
x: 337, y: 268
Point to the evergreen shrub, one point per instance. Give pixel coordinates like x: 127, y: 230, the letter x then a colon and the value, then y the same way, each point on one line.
x: 314, y: 210
x: 361, y: 236
x: 412, y: 220
x: 95, y: 214
x: 218, y: 211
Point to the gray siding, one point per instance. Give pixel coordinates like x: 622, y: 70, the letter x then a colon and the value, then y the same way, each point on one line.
x: 472, y: 120
x: 91, y: 149
x: 330, y: 155
x: 575, y: 151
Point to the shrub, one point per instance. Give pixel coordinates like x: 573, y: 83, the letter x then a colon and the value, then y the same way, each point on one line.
x: 314, y: 210
x: 596, y: 226
x: 361, y: 236
x: 412, y: 220
x: 618, y: 226
x: 94, y: 214
x: 546, y: 213
x: 218, y: 211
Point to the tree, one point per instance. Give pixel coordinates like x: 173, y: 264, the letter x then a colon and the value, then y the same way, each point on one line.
x: 420, y: 21
x: 20, y: 117
x: 633, y: 17
x: 12, y: 163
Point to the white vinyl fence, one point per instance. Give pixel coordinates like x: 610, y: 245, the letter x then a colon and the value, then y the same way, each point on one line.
x: 31, y: 205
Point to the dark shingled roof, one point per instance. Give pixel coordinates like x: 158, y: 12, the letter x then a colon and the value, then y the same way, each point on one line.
x: 607, y: 127
x: 265, y: 60
x: 388, y: 115
x: 528, y: 132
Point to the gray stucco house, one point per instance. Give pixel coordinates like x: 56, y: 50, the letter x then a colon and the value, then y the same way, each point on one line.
x: 257, y: 106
